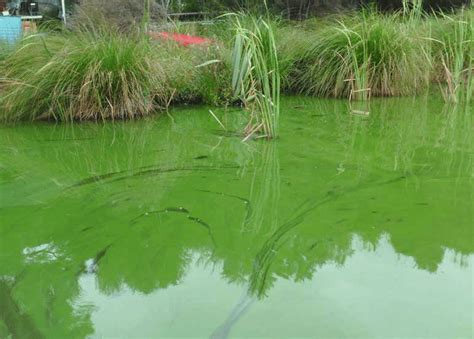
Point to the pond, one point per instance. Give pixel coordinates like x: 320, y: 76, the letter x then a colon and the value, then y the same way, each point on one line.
x: 346, y: 226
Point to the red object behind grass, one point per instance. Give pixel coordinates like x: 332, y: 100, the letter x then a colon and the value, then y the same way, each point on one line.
x: 182, y: 39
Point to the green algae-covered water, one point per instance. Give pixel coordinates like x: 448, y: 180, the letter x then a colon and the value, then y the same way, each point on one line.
x: 346, y: 226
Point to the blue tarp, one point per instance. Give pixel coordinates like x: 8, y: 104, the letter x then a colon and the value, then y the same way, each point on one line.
x: 10, y: 28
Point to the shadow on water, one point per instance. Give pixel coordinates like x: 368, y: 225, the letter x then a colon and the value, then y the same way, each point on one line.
x: 133, y: 204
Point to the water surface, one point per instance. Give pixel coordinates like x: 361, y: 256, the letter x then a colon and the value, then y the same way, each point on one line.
x: 347, y: 226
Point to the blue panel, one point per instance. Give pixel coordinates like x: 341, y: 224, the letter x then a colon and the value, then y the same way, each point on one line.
x: 10, y: 28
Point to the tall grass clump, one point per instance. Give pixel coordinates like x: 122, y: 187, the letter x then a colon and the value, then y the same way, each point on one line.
x: 80, y: 75
x: 413, y: 9
x: 362, y: 55
x: 4, y: 50
x: 214, y: 72
x: 453, y: 51
x: 195, y: 74
x: 292, y: 42
x: 256, y: 73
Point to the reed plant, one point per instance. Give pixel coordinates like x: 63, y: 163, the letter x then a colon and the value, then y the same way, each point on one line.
x: 256, y: 73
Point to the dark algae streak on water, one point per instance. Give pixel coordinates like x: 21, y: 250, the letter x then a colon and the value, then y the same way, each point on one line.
x: 344, y: 226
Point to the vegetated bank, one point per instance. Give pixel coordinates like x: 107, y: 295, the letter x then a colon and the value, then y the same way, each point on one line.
x: 93, y: 72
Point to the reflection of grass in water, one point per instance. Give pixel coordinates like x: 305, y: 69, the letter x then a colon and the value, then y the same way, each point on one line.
x: 414, y: 131
x: 99, y: 154
x: 403, y: 128
x: 286, y: 245
x: 15, y: 321
x: 82, y: 150
x: 264, y: 191
x: 391, y: 142
x: 398, y: 131
x: 261, y: 216
x: 401, y: 138
x: 259, y: 280
x: 455, y: 137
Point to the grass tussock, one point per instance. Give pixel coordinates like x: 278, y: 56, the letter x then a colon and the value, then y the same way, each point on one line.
x: 98, y: 75
x: 452, y: 38
x: 363, y: 55
x: 196, y: 74
x: 89, y: 72
x: 4, y: 50
x: 81, y: 76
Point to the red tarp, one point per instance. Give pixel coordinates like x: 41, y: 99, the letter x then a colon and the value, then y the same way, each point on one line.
x: 182, y: 39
